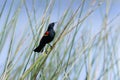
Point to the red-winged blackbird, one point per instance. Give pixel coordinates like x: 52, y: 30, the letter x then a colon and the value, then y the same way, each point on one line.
x: 47, y: 38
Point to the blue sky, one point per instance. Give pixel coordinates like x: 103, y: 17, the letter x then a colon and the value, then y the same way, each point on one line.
x: 93, y: 21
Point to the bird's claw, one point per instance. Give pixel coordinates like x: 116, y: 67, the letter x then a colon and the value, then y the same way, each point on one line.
x: 50, y: 46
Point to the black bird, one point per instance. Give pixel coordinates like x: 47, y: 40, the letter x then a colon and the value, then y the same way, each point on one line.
x: 47, y: 38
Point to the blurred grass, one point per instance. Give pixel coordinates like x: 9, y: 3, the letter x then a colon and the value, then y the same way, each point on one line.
x: 77, y: 52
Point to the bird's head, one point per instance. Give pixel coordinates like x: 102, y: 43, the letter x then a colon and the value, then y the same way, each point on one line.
x: 51, y: 25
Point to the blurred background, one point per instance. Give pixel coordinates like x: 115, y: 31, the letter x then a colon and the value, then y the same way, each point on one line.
x: 86, y: 44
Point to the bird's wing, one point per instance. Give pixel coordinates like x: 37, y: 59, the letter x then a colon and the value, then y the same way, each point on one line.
x: 46, y: 33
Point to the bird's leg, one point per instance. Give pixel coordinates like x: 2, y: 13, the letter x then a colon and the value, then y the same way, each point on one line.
x: 50, y: 46
x: 46, y: 51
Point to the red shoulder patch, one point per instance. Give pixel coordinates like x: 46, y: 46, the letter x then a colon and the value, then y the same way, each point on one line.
x: 46, y: 33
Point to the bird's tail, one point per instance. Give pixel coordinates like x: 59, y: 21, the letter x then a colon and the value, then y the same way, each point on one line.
x: 39, y: 48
